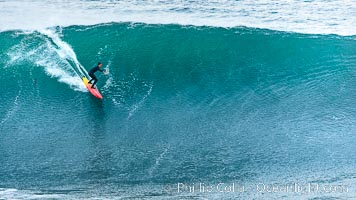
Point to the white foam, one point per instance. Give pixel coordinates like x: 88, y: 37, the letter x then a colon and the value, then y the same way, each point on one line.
x: 9, y: 193
x: 65, y: 51
x: 63, y: 76
x: 52, y: 58
x: 318, y: 16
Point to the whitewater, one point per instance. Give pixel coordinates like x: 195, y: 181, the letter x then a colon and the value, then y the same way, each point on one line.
x: 309, y: 16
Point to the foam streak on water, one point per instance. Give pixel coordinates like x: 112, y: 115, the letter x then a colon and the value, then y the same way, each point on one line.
x: 6, y: 193
x: 319, y: 16
x: 13, y: 109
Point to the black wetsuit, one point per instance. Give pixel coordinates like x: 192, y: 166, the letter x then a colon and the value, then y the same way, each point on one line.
x: 92, y: 75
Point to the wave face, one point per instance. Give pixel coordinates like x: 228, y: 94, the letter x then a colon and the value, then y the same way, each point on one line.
x: 181, y: 104
x: 309, y: 16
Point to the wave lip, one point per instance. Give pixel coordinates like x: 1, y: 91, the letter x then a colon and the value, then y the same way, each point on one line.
x: 311, y: 17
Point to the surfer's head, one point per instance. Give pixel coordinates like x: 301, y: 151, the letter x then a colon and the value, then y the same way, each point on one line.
x: 99, y: 64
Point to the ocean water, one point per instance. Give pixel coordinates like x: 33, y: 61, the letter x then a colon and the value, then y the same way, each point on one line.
x: 201, y: 97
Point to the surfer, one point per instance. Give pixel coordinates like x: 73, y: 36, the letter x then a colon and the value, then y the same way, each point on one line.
x: 92, y: 75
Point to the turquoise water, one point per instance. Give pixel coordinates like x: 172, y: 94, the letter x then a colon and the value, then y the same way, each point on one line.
x: 182, y: 104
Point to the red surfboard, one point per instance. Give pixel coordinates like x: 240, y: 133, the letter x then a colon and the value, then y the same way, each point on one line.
x: 94, y: 91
